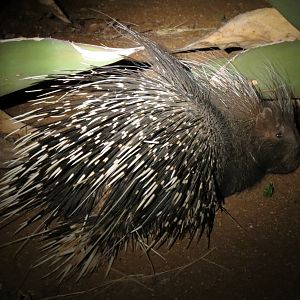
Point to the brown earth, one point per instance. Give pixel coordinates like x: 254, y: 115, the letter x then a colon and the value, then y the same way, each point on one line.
x: 257, y: 260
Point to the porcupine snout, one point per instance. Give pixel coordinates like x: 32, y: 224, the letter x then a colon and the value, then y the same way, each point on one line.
x: 287, y: 151
x: 279, y: 149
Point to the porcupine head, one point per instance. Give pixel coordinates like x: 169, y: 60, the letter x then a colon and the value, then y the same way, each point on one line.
x: 277, y: 139
x: 263, y: 136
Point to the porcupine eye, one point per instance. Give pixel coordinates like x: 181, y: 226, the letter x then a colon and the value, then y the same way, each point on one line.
x: 279, y: 134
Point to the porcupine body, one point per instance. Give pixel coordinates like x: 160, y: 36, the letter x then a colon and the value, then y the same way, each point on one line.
x: 147, y: 156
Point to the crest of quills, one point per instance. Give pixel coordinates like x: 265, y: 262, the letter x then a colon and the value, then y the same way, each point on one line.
x: 142, y: 156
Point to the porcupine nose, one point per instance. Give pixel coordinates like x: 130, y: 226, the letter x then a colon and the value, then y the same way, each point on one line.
x: 290, y: 149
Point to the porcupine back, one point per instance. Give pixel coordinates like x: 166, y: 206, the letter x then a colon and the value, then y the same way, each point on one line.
x: 132, y: 155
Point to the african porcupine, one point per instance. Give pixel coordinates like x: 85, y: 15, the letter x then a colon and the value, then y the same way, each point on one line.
x: 143, y: 156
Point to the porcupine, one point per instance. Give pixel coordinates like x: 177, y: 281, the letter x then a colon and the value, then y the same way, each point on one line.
x: 142, y: 156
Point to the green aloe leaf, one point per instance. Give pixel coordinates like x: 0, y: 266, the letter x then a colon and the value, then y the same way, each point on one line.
x: 289, y: 9
x: 256, y: 63
x: 24, y: 62
x: 283, y: 57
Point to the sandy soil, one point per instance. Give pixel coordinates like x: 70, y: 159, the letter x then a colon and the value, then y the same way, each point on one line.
x: 258, y: 259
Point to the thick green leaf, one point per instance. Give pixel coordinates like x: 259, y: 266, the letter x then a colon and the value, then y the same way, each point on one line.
x: 290, y: 9
x: 283, y: 57
x: 256, y: 64
x: 27, y: 61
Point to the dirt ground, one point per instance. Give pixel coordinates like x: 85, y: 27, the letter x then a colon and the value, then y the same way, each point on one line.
x: 258, y: 259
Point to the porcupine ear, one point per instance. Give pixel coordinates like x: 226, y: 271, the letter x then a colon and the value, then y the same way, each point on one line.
x: 265, y: 122
x: 264, y: 115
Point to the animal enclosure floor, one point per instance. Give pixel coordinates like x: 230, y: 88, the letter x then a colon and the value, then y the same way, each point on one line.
x: 258, y: 259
